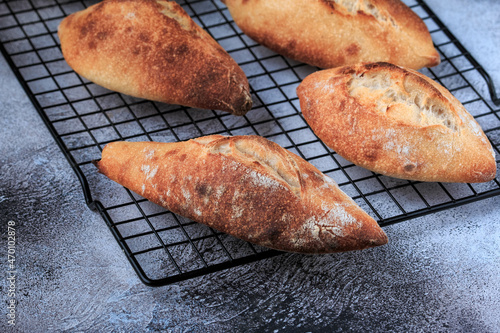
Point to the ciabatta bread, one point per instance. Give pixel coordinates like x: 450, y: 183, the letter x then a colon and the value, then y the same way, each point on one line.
x: 153, y: 50
x: 245, y: 186
x: 396, y: 122
x: 331, y: 33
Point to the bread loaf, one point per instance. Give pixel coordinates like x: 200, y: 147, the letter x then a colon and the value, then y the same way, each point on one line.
x: 245, y: 186
x: 153, y: 50
x: 331, y: 33
x: 396, y: 122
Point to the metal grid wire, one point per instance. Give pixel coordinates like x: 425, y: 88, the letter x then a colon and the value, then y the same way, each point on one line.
x: 164, y: 247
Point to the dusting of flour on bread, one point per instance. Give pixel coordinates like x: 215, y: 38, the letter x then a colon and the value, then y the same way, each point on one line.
x: 148, y: 153
x: 335, y: 220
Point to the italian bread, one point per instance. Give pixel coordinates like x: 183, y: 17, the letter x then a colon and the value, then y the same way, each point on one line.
x: 331, y: 33
x: 245, y: 186
x: 396, y: 122
x: 153, y: 50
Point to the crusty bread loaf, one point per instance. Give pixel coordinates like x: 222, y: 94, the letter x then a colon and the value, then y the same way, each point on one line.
x: 245, y: 186
x: 331, y: 33
x: 153, y: 50
x: 396, y: 122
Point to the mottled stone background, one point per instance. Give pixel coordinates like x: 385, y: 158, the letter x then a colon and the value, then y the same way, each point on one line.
x: 438, y: 273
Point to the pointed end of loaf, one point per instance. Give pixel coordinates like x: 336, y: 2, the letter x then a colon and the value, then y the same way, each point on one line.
x: 483, y: 173
x: 361, y: 230
x: 369, y: 235
x: 96, y: 164
x: 113, y: 157
x: 340, y: 230
x: 377, y: 238
x: 433, y: 60
x: 242, y: 105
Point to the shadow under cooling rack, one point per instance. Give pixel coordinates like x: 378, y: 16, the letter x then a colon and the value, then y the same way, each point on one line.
x: 164, y: 247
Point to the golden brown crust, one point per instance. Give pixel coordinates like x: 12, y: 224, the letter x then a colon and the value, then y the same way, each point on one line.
x: 153, y: 50
x: 328, y: 33
x: 245, y: 186
x: 396, y: 122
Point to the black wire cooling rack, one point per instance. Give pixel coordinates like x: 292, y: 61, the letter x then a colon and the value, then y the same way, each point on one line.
x: 161, y: 246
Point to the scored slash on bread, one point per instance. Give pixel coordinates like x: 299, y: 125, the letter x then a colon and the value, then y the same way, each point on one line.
x: 396, y: 122
x: 245, y: 186
x: 331, y: 33
x: 153, y: 50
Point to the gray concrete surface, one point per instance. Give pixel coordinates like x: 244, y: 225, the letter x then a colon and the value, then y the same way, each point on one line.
x: 439, y: 273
